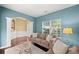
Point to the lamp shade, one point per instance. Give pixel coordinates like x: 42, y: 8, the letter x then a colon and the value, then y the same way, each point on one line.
x: 67, y: 30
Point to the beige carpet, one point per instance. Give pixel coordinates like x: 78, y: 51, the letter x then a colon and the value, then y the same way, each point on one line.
x: 20, y: 49
x: 36, y: 50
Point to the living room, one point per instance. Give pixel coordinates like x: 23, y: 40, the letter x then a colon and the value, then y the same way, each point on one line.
x: 49, y: 28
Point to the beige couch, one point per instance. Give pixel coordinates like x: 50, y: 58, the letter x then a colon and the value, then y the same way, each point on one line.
x: 40, y: 39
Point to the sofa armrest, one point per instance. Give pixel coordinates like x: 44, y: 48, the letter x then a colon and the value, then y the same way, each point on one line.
x: 50, y: 51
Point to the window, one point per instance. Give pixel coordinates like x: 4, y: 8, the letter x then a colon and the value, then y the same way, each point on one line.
x: 56, y: 27
x: 46, y: 27
x: 52, y: 27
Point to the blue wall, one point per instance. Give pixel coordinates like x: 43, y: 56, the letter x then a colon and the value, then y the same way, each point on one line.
x: 4, y: 12
x: 69, y: 17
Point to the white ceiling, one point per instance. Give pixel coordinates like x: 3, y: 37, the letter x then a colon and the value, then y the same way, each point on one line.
x: 37, y: 10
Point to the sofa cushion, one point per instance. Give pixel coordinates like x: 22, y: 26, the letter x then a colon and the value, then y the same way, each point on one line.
x: 59, y: 47
x: 36, y: 40
x: 44, y: 42
x: 41, y: 36
x: 38, y: 35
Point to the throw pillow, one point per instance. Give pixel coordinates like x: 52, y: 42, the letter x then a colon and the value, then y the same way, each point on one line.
x: 49, y: 38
